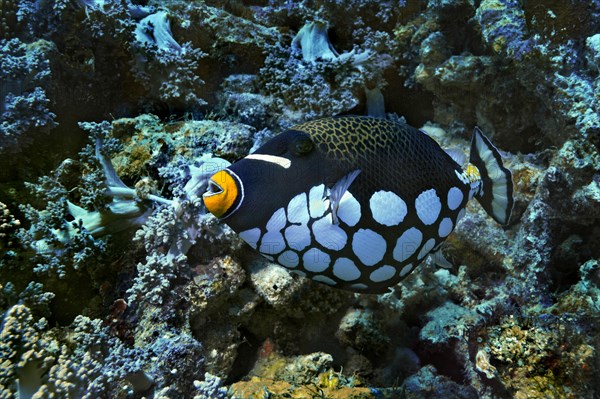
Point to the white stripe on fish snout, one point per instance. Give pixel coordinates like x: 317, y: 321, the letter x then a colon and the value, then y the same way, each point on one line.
x: 281, y: 161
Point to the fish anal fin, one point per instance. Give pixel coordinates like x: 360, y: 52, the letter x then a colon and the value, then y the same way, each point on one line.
x: 440, y: 260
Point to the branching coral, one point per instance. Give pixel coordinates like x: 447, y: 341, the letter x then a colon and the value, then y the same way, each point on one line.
x: 315, y: 79
x: 8, y: 224
x: 162, y: 59
x: 26, y: 355
x: 36, y: 364
x: 210, y: 388
x: 24, y: 112
x: 535, y: 359
x: 58, y: 243
x: 303, y: 87
x: 169, y: 232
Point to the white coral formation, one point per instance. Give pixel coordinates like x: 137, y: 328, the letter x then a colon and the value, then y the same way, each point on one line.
x: 36, y: 363
x: 156, y: 29
x: 312, y: 40
x: 26, y: 354
x: 8, y: 223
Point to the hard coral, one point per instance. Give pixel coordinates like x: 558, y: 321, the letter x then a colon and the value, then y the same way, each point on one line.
x: 504, y: 27
x: 535, y: 361
x: 37, y: 363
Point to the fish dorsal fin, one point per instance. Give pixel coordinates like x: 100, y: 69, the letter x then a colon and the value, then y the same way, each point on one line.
x: 457, y: 156
x: 337, y: 192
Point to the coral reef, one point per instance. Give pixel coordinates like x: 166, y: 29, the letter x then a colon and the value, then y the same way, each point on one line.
x: 116, y: 283
x: 24, y: 70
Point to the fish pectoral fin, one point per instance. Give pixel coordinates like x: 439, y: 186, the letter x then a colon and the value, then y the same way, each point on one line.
x: 438, y: 258
x: 337, y: 192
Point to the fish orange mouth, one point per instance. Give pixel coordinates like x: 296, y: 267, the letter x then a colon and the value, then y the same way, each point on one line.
x: 221, y: 194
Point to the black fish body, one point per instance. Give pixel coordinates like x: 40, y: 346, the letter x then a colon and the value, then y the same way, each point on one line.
x: 355, y: 202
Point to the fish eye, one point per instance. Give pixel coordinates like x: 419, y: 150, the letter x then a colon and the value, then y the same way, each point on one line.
x: 302, y: 145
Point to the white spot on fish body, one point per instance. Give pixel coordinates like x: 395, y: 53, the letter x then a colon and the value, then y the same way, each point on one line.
x: 251, y: 236
x: 345, y: 269
x: 298, y: 272
x: 277, y: 221
x: 455, y: 197
x: 324, y: 279
x: 298, y: 209
x: 427, y: 247
x: 383, y: 273
x: 272, y: 243
x: 349, y: 209
x: 368, y: 246
x: 407, y: 244
x: 317, y: 205
x: 406, y: 269
x: 288, y: 259
x: 329, y: 235
x: 428, y: 206
x: 297, y: 237
x: 445, y: 227
x: 387, y: 208
x: 314, y: 260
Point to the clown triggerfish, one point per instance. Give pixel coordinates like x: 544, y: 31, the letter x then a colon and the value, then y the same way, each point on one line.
x: 355, y: 202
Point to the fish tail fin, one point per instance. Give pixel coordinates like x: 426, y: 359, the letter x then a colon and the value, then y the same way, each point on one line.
x: 495, y: 192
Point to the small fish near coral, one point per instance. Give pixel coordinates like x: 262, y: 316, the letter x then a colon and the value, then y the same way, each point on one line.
x: 356, y: 202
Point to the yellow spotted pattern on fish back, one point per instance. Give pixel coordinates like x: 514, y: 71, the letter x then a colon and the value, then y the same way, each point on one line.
x: 345, y: 139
